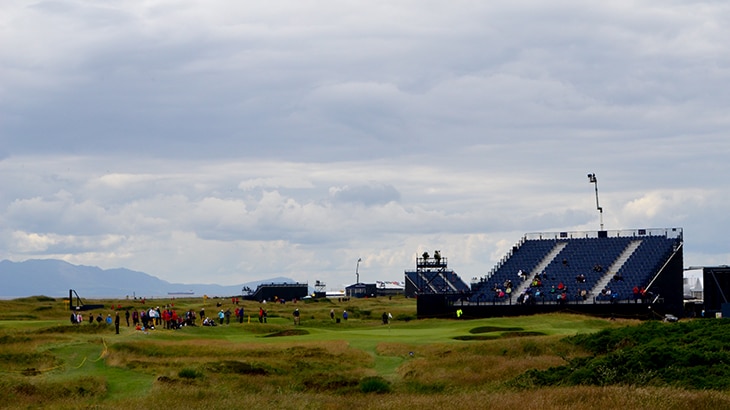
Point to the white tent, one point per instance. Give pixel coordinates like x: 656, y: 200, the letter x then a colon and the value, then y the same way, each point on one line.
x: 693, y: 286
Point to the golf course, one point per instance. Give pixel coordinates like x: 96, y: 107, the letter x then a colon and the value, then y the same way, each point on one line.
x: 531, y: 362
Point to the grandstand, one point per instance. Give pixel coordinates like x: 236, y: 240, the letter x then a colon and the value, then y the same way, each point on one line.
x: 626, y: 272
x: 278, y: 291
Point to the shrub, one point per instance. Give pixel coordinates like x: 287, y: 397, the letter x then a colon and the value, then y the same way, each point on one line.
x: 374, y: 384
x: 189, y: 373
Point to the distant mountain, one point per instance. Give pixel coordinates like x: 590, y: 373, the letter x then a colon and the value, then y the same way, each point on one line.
x: 51, y: 277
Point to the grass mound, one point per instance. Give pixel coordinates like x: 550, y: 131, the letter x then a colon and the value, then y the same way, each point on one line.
x: 477, y: 337
x: 330, y: 382
x: 32, y: 299
x: 27, y: 394
x: 77, y: 329
x: 236, y: 367
x: 690, y: 355
x: 13, y: 339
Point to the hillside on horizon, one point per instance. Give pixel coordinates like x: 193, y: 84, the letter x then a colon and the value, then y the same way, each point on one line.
x: 54, y: 278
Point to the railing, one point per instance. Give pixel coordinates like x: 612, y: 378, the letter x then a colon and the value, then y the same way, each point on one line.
x: 549, y: 299
x: 431, y: 263
x: 670, y: 233
x: 283, y: 285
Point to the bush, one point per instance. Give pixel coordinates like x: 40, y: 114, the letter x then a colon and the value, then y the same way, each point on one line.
x: 374, y: 384
x: 188, y: 373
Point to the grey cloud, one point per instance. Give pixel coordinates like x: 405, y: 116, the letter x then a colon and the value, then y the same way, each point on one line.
x: 369, y: 195
x: 243, y: 139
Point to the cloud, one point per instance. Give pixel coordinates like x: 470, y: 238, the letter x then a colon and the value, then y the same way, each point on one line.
x: 368, y: 195
x: 229, y: 142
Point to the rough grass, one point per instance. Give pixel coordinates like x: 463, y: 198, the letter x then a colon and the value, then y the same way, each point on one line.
x: 48, y: 363
x: 691, y: 355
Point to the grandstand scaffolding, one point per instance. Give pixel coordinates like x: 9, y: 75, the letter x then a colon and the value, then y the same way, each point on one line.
x: 432, y: 276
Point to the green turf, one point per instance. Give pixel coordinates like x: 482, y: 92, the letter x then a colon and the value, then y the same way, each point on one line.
x: 90, y: 365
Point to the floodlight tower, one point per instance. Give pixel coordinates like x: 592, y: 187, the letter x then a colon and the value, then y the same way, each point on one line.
x: 357, y: 270
x: 593, y: 180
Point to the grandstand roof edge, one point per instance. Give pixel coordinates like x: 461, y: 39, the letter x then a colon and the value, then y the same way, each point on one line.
x: 638, y: 232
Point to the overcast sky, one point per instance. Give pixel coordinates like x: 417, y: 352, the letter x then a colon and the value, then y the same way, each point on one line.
x: 231, y: 141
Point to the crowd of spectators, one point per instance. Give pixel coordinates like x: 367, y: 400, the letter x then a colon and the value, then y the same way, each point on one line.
x: 166, y: 317
x: 538, y: 291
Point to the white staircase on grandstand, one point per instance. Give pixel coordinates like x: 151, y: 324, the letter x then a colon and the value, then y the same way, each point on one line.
x: 541, y: 266
x: 443, y: 277
x: 448, y: 282
x: 615, y: 266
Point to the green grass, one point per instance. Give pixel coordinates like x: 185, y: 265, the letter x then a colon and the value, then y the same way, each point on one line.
x: 46, y: 362
x: 691, y: 355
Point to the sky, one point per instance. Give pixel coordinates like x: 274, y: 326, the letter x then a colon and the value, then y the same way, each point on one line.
x: 233, y: 141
